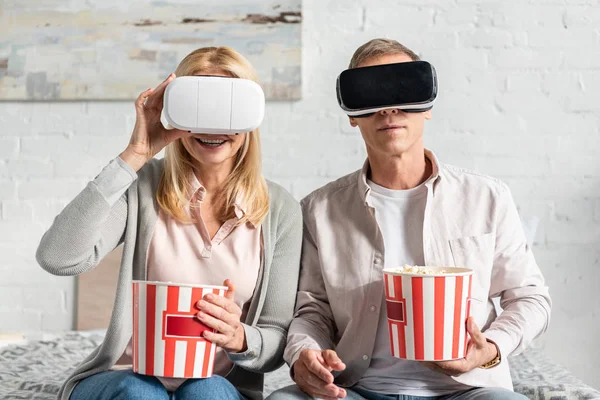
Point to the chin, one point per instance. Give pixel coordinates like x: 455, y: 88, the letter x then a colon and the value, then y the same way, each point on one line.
x: 393, y: 149
x: 209, y: 159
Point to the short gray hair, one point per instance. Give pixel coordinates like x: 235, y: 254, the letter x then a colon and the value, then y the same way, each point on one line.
x: 378, y: 47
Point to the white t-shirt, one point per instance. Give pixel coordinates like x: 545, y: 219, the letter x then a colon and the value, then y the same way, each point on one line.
x: 399, y: 214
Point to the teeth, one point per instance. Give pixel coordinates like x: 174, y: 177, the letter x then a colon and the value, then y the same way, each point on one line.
x: 211, y: 142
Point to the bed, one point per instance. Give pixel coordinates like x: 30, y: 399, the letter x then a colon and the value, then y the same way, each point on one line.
x: 34, y: 369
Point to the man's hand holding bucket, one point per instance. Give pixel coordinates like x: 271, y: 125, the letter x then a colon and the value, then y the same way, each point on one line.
x: 480, y: 351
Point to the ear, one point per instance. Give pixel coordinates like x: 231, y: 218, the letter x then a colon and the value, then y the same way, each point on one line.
x: 428, y: 114
x: 353, y: 122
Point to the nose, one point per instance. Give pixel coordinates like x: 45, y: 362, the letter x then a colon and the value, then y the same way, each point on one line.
x: 389, y: 111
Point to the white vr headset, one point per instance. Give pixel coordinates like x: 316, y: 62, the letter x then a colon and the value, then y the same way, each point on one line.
x: 213, y: 104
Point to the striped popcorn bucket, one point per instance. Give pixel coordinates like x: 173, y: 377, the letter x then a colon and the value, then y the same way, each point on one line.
x: 167, y: 339
x: 427, y: 314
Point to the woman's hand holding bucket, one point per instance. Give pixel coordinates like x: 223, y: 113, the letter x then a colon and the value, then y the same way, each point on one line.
x: 223, y: 315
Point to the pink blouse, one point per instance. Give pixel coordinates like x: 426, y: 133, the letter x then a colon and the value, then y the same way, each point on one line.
x: 184, y: 253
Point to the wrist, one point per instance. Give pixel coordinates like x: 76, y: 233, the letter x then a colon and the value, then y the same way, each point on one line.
x: 242, y: 344
x: 135, y: 160
x: 493, y: 357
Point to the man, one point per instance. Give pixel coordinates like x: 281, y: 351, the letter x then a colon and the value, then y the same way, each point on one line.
x: 404, y: 207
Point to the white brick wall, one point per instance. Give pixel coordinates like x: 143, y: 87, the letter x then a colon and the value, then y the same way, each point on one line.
x: 519, y: 83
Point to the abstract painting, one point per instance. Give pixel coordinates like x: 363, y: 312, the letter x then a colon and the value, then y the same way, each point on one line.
x: 115, y: 49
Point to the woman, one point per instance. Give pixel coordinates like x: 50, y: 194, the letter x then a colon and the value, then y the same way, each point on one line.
x: 204, y: 214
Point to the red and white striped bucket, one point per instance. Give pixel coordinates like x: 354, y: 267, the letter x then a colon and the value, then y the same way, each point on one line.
x: 167, y: 338
x: 427, y: 314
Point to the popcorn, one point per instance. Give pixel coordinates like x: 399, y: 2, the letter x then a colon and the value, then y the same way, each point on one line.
x: 407, y: 269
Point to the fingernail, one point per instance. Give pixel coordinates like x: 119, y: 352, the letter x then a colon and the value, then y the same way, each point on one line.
x: 202, y: 303
x: 208, y: 297
x: 200, y: 315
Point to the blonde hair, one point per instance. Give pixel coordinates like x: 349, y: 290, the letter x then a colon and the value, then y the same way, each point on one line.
x: 379, y: 47
x: 245, y: 180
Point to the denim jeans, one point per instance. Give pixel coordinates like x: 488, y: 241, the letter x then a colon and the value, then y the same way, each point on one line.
x: 472, y: 394
x: 294, y: 393
x: 127, y: 385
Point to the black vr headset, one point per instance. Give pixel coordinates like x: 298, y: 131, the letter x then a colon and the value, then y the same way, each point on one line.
x: 407, y: 86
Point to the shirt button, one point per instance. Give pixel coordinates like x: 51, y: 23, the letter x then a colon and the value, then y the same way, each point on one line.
x: 365, y: 357
x: 373, y: 308
x: 377, y: 260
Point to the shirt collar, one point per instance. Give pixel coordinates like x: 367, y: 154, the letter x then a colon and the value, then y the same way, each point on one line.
x: 365, y: 189
x: 198, y: 193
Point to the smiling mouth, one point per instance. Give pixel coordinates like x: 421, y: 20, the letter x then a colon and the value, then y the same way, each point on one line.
x: 210, y: 142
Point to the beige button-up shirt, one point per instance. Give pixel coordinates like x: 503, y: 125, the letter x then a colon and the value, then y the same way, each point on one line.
x: 470, y: 220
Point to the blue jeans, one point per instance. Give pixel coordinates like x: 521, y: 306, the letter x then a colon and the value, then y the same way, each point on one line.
x: 127, y: 385
x: 472, y: 394
x: 294, y: 393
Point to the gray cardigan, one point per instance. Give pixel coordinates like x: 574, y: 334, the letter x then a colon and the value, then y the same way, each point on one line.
x: 90, y: 227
